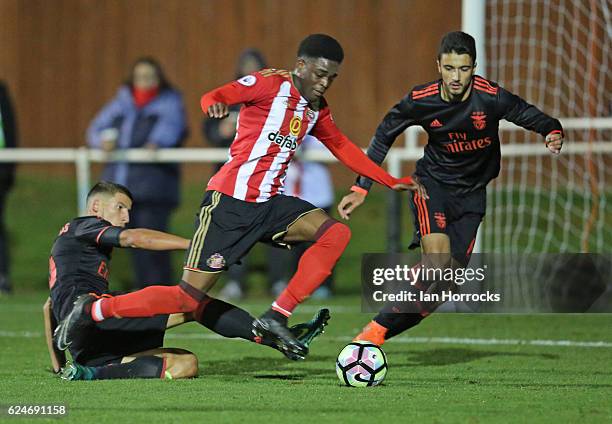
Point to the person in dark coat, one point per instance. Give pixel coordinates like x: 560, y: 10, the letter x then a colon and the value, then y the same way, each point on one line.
x: 8, y: 139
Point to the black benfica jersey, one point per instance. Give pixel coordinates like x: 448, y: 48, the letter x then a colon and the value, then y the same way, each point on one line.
x: 79, y: 261
x: 463, y: 148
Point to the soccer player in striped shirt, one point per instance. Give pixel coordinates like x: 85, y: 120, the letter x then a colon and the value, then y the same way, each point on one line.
x: 244, y: 204
x: 460, y: 113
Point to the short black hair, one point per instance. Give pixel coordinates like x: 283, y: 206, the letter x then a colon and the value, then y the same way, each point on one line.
x: 106, y: 187
x: 458, y: 42
x: 250, y: 54
x: 321, y: 45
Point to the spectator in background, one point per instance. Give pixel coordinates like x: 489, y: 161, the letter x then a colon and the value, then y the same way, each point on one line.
x: 221, y: 133
x: 148, y: 113
x: 8, y: 139
x: 310, y: 181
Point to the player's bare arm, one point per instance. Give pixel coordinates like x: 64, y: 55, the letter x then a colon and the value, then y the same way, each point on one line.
x: 114, y: 207
x: 58, y: 358
x: 144, y: 238
x: 349, y: 203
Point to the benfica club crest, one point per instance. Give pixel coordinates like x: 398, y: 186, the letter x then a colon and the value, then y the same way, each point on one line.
x: 479, y: 120
x: 440, y: 220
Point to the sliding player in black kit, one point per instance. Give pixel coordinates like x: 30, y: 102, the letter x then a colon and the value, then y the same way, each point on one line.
x: 129, y: 348
x: 460, y: 113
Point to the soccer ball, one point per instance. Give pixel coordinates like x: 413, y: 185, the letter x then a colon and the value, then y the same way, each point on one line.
x: 361, y: 364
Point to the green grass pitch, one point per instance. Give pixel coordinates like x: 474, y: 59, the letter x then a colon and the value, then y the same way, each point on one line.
x: 451, y: 368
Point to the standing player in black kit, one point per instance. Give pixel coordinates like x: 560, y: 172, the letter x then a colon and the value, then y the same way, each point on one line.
x: 461, y: 114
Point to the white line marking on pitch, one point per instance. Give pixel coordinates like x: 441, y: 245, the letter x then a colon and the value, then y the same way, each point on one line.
x: 306, y: 309
x: 404, y: 340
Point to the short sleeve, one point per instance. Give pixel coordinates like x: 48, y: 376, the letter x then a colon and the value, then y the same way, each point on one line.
x: 99, y: 232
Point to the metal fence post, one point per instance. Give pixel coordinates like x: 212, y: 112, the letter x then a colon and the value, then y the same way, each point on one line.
x: 83, y: 173
x: 394, y: 210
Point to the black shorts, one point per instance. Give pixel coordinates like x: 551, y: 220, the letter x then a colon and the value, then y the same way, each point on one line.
x: 112, y: 339
x: 457, y: 215
x: 227, y: 228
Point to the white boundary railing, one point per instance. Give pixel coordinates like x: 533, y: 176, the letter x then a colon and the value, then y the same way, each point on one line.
x: 83, y: 157
x: 515, y: 150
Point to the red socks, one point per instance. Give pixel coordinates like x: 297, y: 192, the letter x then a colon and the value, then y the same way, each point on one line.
x: 315, y: 266
x: 150, y: 301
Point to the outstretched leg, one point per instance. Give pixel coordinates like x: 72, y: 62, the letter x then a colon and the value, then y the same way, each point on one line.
x: 231, y: 321
x: 330, y: 238
x: 164, y: 363
x: 390, y: 322
x: 157, y: 300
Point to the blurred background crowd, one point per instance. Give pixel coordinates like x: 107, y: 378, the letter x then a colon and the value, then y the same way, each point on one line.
x: 117, y: 74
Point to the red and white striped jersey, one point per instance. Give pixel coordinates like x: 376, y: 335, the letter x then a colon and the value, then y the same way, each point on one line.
x: 271, y: 125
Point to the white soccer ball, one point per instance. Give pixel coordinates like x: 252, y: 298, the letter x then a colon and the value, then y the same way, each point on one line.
x: 361, y: 364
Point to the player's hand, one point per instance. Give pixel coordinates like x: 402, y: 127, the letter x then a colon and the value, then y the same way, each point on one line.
x: 349, y: 203
x: 413, y: 185
x: 109, y: 139
x: 218, y: 110
x: 554, y: 142
x: 108, y: 145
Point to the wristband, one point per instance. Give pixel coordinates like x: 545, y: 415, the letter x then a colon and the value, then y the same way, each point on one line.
x: 551, y: 133
x: 359, y: 190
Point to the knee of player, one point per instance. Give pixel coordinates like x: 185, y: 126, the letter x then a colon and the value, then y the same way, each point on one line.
x: 436, y: 244
x: 191, y: 365
x: 183, y: 365
x: 342, y: 233
x: 438, y: 260
x: 187, y: 302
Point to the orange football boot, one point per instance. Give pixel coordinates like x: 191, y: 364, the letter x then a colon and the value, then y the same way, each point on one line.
x: 373, y: 332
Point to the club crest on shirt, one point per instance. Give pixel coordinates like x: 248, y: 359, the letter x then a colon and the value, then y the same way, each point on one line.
x: 440, y: 220
x: 215, y: 261
x: 310, y: 114
x: 479, y: 120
